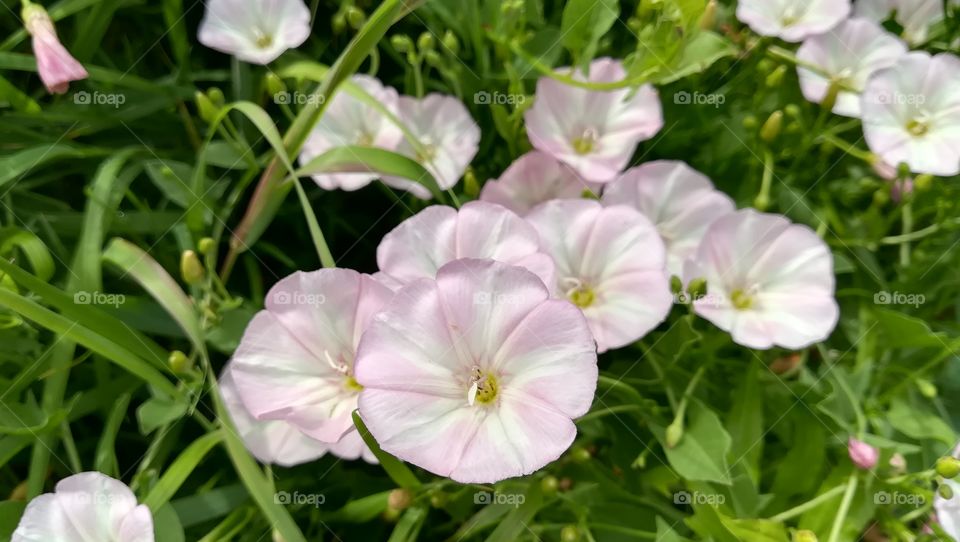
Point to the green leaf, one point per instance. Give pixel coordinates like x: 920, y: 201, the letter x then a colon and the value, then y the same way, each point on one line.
x: 409, y: 525
x: 903, y: 331
x: 180, y: 470
x: 515, y: 523
x: 371, y: 160
x: 15, y: 165
x: 10, y: 514
x: 33, y: 249
x: 917, y: 423
x: 363, y: 509
x: 665, y: 533
x: 24, y: 419
x: 745, y: 423
x: 584, y: 22
x: 398, y: 471
x: 166, y: 525
x: 157, y: 412
x: 106, y: 459
x: 699, y: 54
x: 701, y: 454
x: 756, y: 530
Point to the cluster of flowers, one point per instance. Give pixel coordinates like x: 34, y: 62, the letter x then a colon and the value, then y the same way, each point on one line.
x: 909, y: 102
x: 474, y: 346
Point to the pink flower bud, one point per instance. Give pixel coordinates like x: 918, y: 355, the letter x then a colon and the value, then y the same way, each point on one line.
x: 54, y: 63
x: 862, y: 454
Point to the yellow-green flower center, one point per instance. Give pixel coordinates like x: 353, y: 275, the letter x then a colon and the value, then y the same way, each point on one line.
x: 350, y: 383
x: 582, y: 296
x: 741, y: 300
x: 586, y: 142
x: 918, y: 127
x: 483, y: 387
x: 264, y: 40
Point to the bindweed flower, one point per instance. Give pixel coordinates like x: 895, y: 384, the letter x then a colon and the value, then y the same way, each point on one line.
x: 56, y: 67
x: 792, y: 20
x: 423, y: 243
x: 448, y: 137
x: 848, y: 54
x: 85, y: 507
x: 862, y: 454
x: 611, y: 263
x: 279, y: 443
x: 769, y: 282
x: 911, y: 113
x: 478, y: 374
x: 595, y: 132
x: 532, y: 179
x: 914, y: 16
x: 256, y: 31
x: 679, y: 200
x: 295, y: 360
x: 350, y: 121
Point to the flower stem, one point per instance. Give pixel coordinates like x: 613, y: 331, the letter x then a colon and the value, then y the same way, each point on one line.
x: 812, y: 503
x: 851, y: 488
x: 907, y: 230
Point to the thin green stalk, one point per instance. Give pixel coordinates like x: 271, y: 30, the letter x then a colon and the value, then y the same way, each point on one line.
x: 907, y: 218
x: 812, y: 503
x: 326, y: 259
x: 844, y: 509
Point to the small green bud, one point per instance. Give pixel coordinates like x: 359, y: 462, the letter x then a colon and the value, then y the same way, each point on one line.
x: 191, y: 270
x: 450, y: 42
x: 948, y: 467
x: 881, y: 197
x: 765, y: 65
x: 927, y: 388
x: 697, y: 288
x: 709, y: 18
x: 206, y: 245
x: 903, y: 170
x: 401, y: 43
x: 580, y: 455
x: 470, y: 185
x: 206, y: 109
x: 771, y: 128
x: 438, y: 499
x: 792, y: 111
x: 750, y: 122
x: 674, y: 433
x: 676, y: 285
x: 179, y: 362
x: 425, y: 42
x: 945, y: 491
x: 216, y: 96
x: 400, y: 499
x: 569, y: 533
x: 339, y: 22
x: 549, y: 484
x: 776, y: 77
x: 355, y: 17
x: 433, y: 58
x: 761, y: 202
x: 274, y: 84
x: 923, y: 182
x: 804, y: 535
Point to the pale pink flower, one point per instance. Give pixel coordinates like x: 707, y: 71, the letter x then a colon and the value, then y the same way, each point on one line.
x: 595, y: 132
x: 478, y: 374
x: 534, y: 178
x: 348, y: 121
x: 792, y: 20
x: 862, y: 454
x: 256, y: 31
x: 448, y: 136
x: 769, y: 282
x: 914, y: 16
x: 611, y: 263
x: 85, y: 507
x: 849, y: 54
x: 55, y: 65
x: 911, y: 113
x: 679, y: 200
x: 295, y: 360
x: 423, y: 243
x: 270, y: 441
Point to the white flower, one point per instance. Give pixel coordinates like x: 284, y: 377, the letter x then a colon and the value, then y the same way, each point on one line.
x: 86, y: 507
x: 532, y: 179
x: 349, y: 121
x: 595, y: 132
x: 792, y: 20
x: 915, y: 16
x: 256, y: 31
x: 769, y: 282
x: 679, y: 200
x: 448, y: 135
x: 849, y: 54
x: 911, y: 113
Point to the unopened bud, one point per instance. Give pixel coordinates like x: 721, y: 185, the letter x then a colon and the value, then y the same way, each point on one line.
x: 709, y: 17
x: 549, y: 484
x: 450, y: 42
x: 400, y: 499
x: 569, y: 533
x: 425, y: 42
x: 922, y: 182
x: 470, y: 185
x: 205, y: 107
x: 771, y: 128
x: 216, y: 96
x: 948, y: 467
x: 433, y: 58
x: 401, y: 43
x: 191, y: 270
x: 927, y: 388
x: 206, y: 245
x: 750, y: 122
x: 676, y: 285
x: 945, y: 491
x: 580, y: 455
x: 804, y: 535
x: 697, y: 288
x: 179, y: 362
x: 862, y: 454
x: 339, y: 22
x: 674, y: 433
x: 792, y: 110
x: 274, y: 84
x: 776, y: 77
x: 355, y: 17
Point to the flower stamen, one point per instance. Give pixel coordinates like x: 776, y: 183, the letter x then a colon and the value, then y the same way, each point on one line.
x: 483, y: 387
x: 741, y: 299
x: 579, y: 293
x: 586, y: 142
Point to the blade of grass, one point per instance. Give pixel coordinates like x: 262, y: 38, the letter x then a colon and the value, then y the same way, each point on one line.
x: 398, y: 471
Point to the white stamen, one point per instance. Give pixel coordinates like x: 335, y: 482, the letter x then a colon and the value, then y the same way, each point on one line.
x: 472, y: 393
